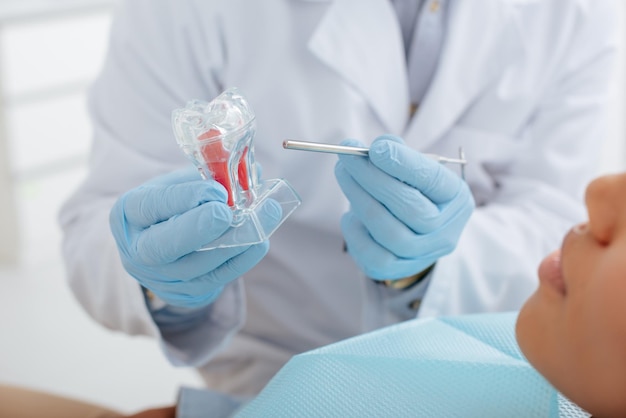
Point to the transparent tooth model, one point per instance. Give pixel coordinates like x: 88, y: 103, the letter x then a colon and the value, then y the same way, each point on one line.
x: 217, y: 136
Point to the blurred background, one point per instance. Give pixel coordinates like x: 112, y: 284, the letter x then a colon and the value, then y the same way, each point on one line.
x: 50, y: 51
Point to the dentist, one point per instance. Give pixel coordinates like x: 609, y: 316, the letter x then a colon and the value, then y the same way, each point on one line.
x: 522, y: 86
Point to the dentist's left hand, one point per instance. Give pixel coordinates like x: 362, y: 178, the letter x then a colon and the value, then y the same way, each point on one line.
x: 406, y: 210
x: 159, y: 226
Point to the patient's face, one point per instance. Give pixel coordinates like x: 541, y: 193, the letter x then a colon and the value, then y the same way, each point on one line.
x: 573, y: 329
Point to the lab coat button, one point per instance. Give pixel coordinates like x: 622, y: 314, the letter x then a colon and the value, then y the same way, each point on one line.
x: 415, y: 305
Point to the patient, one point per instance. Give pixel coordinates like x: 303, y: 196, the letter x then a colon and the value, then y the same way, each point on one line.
x: 573, y: 329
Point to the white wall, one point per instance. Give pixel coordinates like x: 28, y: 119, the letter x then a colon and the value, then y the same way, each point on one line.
x: 46, y: 340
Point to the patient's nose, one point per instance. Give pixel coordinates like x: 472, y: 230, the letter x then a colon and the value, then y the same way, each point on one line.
x: 606, y: 206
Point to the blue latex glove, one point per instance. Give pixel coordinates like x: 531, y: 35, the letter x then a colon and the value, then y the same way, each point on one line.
x: 406, y: 210
x: 159, y: 226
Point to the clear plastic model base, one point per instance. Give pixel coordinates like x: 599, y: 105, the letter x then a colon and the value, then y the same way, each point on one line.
x: 217, y: 137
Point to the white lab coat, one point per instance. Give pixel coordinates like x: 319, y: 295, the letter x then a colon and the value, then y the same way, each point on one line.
x: 521, y: 85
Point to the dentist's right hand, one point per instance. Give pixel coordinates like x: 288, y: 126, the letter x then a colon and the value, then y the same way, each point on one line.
x: 158, y: 227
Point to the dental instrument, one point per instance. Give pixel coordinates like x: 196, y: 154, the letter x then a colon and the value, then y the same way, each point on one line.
x: 364, y: 152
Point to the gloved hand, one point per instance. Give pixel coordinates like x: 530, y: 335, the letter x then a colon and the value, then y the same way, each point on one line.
x: 159, y: 225
x: 406, y: 210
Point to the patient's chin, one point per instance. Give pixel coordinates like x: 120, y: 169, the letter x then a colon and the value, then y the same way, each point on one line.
x: 523, y: 327
x: 531, y: 330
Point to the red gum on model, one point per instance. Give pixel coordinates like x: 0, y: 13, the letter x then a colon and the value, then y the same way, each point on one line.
x: 216, y: 158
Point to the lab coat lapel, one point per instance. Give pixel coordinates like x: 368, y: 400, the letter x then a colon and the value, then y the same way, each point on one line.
x: 361, y: 41
x: 483, y: 37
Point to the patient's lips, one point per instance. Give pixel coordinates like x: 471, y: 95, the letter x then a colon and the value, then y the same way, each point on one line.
x: 551, y: 273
